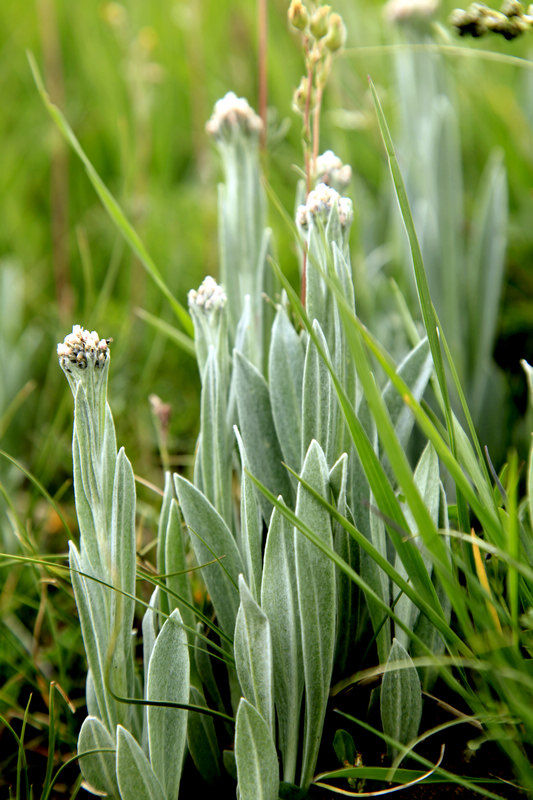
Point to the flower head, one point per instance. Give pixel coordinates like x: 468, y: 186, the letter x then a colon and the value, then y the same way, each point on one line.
x: 319, y: 204
x: 82, y: 349
x: 233, y: 115
x: 410, y: 10
x: 331, y: 171
x: 209, y: 297
x: 83, y: 356
x: 207, y: 307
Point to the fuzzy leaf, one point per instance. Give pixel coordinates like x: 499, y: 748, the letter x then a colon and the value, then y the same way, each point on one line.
x: 168, y: 680
x: 177, y: 578
x: 211, y: 538
x: 251, y: 539
x: 415, y: 369
x: 320, y: 415
x: 258, y: 432
x: 427, y: 479
x: 401, y: 696
x: 255, y: 754
x: 93, y: 621
x: 315, y: 577
x: 213, y: 450
x: 285, y: 369
x: 253, y: 654
x: 168, y: 494
x: 123, y: 563
x: 99, y: 770
x: 279, y: 601
x: 136, y: 778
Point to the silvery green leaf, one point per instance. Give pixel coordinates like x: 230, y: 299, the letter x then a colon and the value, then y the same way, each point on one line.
x: 315, y: 578
x: 99, y: 770
x: 227, y: 247
x: 343, y: 362
x: 213, y: 450
x: 202, y: 740
x: 91, y: 700
x: 427, y: 479
x: 177, y: 578
x: 150, y: 631
x: 86, y: 433
x: 255, y: 754
x: 93, y: 622
x: 251, y: 537
x: 168, y: 681
x: 425, y: 630
x: 267, y: 285
x: 320, y: 415
x: 285, y: 370
x: 415, y: 369
x: 84, y: 509
x: 150, y: 628
x: 253, y: 654
x: 316, y: 299
x: 333, y: 231
x: 258, y: 432
x: 427, y: 633
x: 244, y: 335
x: 211, y: 538
x: 347, y: 548
x: 108, y: 461
x: 123, y: 564
x: 377, y: 579
x: 168, y: 494
x: 401, y: 696
x: 135, y: 776
x: 343, y: 272
x: 279, y: 601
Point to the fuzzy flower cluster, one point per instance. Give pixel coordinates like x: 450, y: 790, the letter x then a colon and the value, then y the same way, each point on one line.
x: 82, y: 349
x: 479, y: 19
x: 331, y: 171
x: 232, y: 115
x: 319, y: 205
x: 209, y: 297
x: 400, y: 11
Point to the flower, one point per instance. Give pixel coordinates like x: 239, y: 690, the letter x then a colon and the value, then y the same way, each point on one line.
x: 406, y: 10
x: 209, y: 297
x: 207, y: 307
x: 331, y: 171
x: 319, y: 205
x: 83, y: 349
x: 233, y: 115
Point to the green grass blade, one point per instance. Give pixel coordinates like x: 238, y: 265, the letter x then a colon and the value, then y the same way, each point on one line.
x: 429, y: 315
x: 185, y: 342
x: 108, y: 201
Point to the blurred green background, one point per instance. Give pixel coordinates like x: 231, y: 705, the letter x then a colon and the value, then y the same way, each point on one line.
x: 137, y: 82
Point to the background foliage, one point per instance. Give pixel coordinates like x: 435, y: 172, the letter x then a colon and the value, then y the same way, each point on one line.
x: 137, y: 83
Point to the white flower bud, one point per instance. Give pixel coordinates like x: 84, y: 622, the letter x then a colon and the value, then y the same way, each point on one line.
x: 209, y: 297
x: 331, y: 171
x: 400, y: 11
x: 82, y: 349
x: 319, y: 204
x: 233, y: 115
